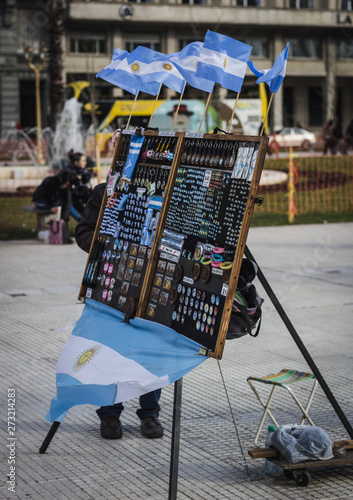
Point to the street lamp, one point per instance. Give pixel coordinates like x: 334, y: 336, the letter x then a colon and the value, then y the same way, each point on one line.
x: 36, y: 60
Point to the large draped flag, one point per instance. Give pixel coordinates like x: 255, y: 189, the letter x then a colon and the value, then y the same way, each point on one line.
x: 275, y: 75
x: 187, y: 61
x: 154, y: 66
x: 107, y: 361
x: 223, y: 60
x: 120, y: 73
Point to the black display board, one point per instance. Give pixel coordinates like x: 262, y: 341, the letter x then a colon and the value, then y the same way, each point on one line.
x: 169, y: 242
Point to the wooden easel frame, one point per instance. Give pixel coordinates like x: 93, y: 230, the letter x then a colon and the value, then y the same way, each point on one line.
x: 154, y: 254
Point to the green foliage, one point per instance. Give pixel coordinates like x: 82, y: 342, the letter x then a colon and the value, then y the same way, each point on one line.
x: 16, y: 224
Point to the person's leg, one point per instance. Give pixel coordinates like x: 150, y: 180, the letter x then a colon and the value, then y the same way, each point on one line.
x: 110, y: 427
x: 148, y: 414
x: 149, y: 405
x: 74, y: 213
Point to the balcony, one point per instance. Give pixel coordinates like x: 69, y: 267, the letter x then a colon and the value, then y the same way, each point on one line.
x: 304, y: 13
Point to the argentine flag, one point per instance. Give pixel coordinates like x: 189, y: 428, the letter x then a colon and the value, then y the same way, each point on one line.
x: 154, y: 66
x: 120, y: 73
x: 107, y: 361
x: 187, y: 61
x: 223, y: 60
x: 274, y: 76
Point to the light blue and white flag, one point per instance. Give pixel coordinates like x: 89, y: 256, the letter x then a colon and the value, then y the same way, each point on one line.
x: 120, y: 73
x: 106, y: 361
x: 223, y: 60
x: 154, y: 66
x: 118, y: 56
x: 187, y: 61
x: 274, y: 76
x: 134, y: 153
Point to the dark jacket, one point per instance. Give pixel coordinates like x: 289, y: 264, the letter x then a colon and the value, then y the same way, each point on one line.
x: 85, y: 228
x: 78, y: 176
x: 49, y: 192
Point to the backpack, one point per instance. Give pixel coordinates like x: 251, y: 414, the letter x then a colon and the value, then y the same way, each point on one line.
x: 246, y: 310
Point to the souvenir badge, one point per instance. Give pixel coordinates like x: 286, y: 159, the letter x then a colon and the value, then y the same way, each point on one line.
x: 202, y: 156
x: 232, y: 158
x: 185, y: 153
x: 188, y: 158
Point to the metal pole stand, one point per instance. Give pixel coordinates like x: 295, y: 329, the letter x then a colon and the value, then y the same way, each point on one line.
x: 54, y: 427
x: 174, y: 456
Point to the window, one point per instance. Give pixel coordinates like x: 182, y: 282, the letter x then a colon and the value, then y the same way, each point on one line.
x: 133, y: 40
x: 315, y: 107
x: 301, y: 4
x: 259, y: 47
x: 305, y: 49
x: 248, y: 3
x: 347, y: 5
x: 193, y: 2
x: 88, y: 44
x: 345, y: 49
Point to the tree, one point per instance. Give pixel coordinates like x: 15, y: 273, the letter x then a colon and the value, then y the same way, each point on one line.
x: 57, y: 12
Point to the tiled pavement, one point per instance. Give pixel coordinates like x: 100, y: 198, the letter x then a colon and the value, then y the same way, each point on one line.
x: 310, y: 269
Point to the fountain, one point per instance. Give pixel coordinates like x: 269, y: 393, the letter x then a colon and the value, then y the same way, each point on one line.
x: 68, y: 133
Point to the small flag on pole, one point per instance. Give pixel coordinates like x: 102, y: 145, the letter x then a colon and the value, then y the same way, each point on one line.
x: 223, y: 60
x: 107, y: 361
x: 187, y: 61
x: 154, y: 66
x: 120, y: 73
x: 274, y: 76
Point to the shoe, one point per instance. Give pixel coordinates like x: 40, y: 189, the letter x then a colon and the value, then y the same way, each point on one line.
x: 151, y: 427
x: 111, y: 427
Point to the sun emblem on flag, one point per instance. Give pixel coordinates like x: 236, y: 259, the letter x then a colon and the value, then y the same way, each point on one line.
x: 135, y: 66
x: 86, y: 356
x: 225, y: 62
x: 167, y: 66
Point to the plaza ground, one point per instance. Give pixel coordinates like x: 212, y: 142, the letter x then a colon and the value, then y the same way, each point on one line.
x: 310, y: 268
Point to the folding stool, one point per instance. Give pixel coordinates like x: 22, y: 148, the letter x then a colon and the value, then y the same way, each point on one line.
x: 283, y: 379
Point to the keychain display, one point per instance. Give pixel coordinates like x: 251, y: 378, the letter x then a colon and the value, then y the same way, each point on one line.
x: 120, y: 252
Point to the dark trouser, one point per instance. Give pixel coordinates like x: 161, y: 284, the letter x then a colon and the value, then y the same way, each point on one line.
x: 149, y: 404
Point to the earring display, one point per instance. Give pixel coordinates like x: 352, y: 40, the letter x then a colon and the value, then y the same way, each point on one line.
x: 202, y: 229
x: 193, y: 194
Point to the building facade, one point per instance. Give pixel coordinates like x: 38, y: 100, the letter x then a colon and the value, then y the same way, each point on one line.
x: 319, y: 80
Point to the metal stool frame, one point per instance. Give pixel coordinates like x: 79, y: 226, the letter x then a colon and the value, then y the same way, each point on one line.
x: 266, y: 406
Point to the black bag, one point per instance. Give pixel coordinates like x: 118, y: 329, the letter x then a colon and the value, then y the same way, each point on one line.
x: 246, y: 310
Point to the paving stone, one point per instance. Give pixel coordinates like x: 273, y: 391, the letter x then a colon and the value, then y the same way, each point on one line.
x: 310, y: 269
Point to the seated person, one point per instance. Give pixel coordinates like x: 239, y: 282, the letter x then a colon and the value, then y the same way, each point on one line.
x: 80, y: 178
x: 53, y: 192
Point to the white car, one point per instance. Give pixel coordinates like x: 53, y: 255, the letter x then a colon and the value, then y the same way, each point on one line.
x: 295, y: 137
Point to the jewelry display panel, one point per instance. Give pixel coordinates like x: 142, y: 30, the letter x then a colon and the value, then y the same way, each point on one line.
x: 119, y: 255
x: 172, y: 230
x: 202, y: 229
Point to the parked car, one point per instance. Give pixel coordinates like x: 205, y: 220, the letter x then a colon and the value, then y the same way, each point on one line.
x: 293, y: 137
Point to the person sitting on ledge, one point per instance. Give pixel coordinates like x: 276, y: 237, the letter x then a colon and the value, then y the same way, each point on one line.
x: 54, y: 191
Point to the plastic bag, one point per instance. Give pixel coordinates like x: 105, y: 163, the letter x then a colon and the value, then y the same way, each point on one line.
x: 299, y: 443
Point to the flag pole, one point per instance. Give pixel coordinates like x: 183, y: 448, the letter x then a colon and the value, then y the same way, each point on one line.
x: 231, y: 118
x: 154, y: 106
x: 268, y: 109
x: 204, y: 113
x: 132, y: 109
x: 177, y: 111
